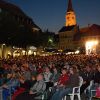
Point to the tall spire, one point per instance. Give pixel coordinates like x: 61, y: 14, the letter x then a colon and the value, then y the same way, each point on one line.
x: 70, y: 15
x: 70, y: 8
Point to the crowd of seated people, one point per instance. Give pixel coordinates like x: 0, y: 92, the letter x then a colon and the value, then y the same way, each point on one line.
x: 27, y: 78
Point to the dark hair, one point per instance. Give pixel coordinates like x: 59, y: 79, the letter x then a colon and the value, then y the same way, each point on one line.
x: 64, y: 69
x: 75, y: 70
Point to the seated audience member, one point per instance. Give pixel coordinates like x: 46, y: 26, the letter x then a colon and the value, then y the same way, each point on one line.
x: 87, y: 76
x: 24, y: 86
x: 96, y: 82
x: 35, y: 91
x: 47, y: 78
x: 72, y: 82
x: 39, y: 69
x: 63, y: 79
x: 25, y: 72
x: 2, y: 79
x: 55, y: 75
x: 10, y: 86
x: 97, y: 76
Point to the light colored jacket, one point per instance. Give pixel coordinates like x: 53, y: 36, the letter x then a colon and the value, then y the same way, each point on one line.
x: 39, y: 87
x: 47, y: 76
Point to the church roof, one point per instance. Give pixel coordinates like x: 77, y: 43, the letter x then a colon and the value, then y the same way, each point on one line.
x: 70, y: 8
x: 67, y: 28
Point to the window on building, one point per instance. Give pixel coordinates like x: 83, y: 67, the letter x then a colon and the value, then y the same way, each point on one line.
x: 67, y: 17
x: 72, y: 17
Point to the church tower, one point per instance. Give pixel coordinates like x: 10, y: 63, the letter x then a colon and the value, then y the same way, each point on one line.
x: 70, y: 16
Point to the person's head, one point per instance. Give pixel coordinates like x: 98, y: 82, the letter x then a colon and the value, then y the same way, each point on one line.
x: 22, y: 68
x: 39, y: 66
x: 94, y: 68
x: 33, y: 78
x: 73, y: 70
x: 22, y: 79
x: 9, y: 75
x: 64, y: 71
x: 13, y: 75
x: 55, y: 70
x: 88, y: 69
x: 14, y: 66
x: 47, y: 69
x: 39, y: 77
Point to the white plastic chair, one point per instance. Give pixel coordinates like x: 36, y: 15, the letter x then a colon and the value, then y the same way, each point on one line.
x: 50, y: 89
x: 91, y: 83
x: 80, y: 81
x: 76, y: 90
x: 89, y: 87
x: 92, y: 94
x: 43, y: 97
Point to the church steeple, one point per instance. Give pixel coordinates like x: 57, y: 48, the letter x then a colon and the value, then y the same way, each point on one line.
x: 70, y: 7
x: 70, y: 16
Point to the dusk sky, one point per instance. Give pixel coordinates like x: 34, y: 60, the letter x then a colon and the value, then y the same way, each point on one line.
x: 50, y: 14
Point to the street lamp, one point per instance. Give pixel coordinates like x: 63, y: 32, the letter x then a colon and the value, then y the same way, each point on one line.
x: 2, y: 47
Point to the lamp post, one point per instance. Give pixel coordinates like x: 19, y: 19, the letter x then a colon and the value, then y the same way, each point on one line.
x: 2, y: 47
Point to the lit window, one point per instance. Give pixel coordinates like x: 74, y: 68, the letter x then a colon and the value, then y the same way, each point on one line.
x: 67, y: 17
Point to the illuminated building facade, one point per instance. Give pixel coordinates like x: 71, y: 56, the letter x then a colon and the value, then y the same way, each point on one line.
x: 74, y: 38
x: 66, y: 33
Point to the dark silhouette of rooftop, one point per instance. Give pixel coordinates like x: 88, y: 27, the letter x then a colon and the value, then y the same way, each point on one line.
x: 67, y: 28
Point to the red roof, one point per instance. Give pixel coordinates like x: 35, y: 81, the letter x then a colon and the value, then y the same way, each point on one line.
x: 91, y: 31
